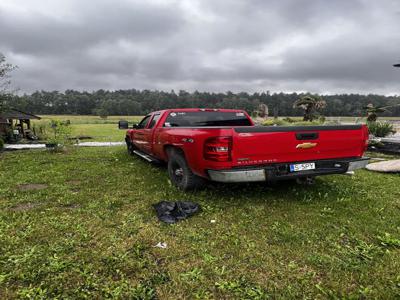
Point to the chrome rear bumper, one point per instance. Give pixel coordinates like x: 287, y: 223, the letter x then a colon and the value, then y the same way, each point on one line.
x: 358, y: 164
x: 237, y: 175
x: 280, y: 171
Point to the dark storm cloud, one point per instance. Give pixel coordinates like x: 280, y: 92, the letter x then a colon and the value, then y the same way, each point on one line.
x: 313, y: 45
x: 39, y: 33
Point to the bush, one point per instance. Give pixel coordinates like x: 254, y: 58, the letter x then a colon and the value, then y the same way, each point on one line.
x: 8, y: 136
x: 273, y: 122
x: 59, y: 133
x: 1, y: 144
x: 380, y: 129
x: 41, y: 129
x: 290, y: 122
x: 307, y: 123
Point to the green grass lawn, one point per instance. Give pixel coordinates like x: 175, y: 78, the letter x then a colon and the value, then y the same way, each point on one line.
x: 89, y: 229
x: 100, y: 130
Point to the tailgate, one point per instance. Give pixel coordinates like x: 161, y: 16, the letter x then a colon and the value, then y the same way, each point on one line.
x: 260, y: 145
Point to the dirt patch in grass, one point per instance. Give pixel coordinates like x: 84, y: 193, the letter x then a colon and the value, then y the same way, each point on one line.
x: 74, y: 185
x: 73, y: 182
x: 71, y: 206
x: 32, y: 186
x: 25, y: 206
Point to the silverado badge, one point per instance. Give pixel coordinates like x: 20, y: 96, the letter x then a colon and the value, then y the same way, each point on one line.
x: 306, y: 145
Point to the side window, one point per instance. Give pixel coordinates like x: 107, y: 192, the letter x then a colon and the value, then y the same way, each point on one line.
x: 154, y: 121
x: 144, y: 122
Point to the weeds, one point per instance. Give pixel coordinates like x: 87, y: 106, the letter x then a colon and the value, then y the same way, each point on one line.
x: 388, y: 241
x: 380, y: 129
x: 354, y: 253
x: 242, y: 289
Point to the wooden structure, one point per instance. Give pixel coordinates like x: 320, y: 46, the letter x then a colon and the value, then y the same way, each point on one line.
x: 13, y: 120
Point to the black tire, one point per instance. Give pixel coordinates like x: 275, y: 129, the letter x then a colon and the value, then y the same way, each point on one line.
x: 305, y: 180
x: 130, y: 147
x: 180, y: 173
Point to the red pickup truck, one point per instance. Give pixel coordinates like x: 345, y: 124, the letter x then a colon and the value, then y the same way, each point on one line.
x: 224, y: 145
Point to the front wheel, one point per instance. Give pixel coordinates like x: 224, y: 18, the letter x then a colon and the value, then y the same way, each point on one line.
x: 130, y: 147
x: 181, y: 175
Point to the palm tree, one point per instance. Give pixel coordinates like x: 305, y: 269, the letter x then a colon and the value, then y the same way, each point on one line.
x: 310, y: 104
x: 373, y: 111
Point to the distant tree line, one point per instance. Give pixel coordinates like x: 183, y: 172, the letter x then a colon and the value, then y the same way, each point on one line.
x: 140, y: 102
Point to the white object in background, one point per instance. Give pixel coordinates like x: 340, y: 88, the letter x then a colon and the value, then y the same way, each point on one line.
x: 84, y: 144
x: 24, y: 146
x: 389, y: 166
x: 161, y: 245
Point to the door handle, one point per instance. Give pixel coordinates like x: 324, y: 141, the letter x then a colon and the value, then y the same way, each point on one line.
x: 307, y: 136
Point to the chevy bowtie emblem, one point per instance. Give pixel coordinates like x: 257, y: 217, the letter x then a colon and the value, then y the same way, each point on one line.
x: 306, y: 145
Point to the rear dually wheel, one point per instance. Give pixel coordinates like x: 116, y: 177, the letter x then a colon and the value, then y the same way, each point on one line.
x: 180, y: 173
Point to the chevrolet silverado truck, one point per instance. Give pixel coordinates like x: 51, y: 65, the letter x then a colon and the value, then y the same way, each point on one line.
x: 224, y: 145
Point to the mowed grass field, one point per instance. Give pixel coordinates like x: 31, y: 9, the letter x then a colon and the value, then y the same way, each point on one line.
x: 80, y: 224
x: 100, y: 130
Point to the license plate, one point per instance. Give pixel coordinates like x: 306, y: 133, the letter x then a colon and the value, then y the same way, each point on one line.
x: 302, y: 167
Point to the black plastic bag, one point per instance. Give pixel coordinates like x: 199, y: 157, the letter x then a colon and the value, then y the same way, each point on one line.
x: 172, y: 212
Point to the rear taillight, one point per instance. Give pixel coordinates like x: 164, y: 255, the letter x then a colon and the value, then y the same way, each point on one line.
x: 218, y: 148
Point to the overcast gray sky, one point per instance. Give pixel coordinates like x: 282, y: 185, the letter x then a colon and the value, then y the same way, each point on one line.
x: 209, y: 45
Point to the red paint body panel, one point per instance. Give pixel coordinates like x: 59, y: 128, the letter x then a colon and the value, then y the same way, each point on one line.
x: 252, y: 148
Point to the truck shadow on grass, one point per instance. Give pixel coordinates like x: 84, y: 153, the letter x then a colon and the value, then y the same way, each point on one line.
x: 280, y: 191
x: 325, y: 188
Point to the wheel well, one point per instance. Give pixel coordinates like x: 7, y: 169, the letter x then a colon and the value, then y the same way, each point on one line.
x: 169, y: 149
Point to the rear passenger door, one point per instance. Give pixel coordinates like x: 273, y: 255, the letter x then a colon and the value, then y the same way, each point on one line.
x: 139, y: 133
x: 148, y: 134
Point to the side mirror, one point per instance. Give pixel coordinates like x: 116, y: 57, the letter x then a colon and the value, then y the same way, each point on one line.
x: 123, y: 124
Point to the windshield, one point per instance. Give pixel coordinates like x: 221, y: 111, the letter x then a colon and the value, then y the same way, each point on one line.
x: 206, y: 118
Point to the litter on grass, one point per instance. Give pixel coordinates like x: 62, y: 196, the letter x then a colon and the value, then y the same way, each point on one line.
x: 161, y: 245
x: 172, y: 212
